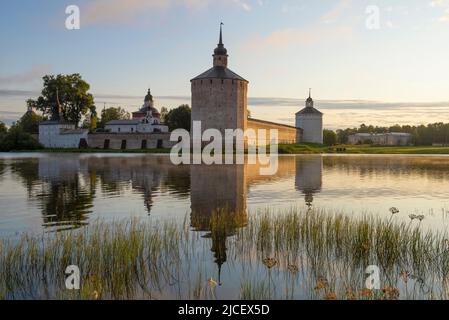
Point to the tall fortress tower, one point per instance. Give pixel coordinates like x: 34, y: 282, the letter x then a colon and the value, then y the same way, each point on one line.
x: 219, y: 96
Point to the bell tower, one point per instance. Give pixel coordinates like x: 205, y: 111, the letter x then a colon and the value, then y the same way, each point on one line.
x: 220, y: 53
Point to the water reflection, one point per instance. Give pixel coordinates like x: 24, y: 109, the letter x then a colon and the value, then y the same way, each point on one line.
x: 309, y: 177
x: 66, y: 191
x: 218, y: 192
x: 69, y: 190
x: 64, y: 187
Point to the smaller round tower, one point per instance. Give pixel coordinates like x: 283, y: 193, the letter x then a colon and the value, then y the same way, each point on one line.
x: 310, y: 120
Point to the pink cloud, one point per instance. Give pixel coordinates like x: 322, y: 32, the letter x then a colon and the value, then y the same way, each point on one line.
x: 293, y: 37
x: 120, y: 11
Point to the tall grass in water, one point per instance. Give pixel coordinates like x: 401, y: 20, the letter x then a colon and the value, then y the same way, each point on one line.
x: 333, y: 251
x: 278, y: 255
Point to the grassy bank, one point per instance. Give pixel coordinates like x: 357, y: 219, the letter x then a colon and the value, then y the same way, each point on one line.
x: 283, y: 149
x: 362, y: 149
x: 277, y: 255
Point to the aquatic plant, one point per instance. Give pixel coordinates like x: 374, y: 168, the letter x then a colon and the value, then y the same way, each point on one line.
x: 290, y: 254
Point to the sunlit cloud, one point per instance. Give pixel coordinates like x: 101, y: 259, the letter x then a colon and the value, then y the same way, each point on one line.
x: 444, y: 4
x: 119, y: 11
x: 315, y: 33
x: 293, y: 37
x: 337, y: 11
x: 438, y: 3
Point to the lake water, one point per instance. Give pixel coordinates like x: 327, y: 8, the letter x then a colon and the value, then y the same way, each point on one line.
x: 46, y: 193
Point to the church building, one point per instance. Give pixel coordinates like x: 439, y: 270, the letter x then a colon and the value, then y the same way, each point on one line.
x: 146, y: 120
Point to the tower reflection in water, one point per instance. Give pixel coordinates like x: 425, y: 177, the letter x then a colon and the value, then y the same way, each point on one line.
x: 218, y: 195
x: 218, y: 204
x: 309, y: 176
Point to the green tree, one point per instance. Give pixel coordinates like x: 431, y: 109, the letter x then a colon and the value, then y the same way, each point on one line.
x: 93, y: 122
x: 3, y: 128
x: 343, y: 135
x: 72, y: 93
x: 30, y: 122
x: 17, y: 139
x: 329, y: 137
x: 179, y: 118
x: 164, y: 112
x: 113, y: 113
x: 90, y: 122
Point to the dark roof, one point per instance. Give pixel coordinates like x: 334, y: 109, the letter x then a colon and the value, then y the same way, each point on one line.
x: 74, y: 131
x: 219, y: 73
x: 309, y: 110
x: 123, y: 122
x: 273, y: 123
x: 53, y: 122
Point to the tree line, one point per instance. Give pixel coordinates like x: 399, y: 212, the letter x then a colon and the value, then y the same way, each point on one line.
x: 421, y: 135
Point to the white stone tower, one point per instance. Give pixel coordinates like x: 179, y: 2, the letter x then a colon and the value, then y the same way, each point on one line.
x: 219, y: 96
x: 310, y: 120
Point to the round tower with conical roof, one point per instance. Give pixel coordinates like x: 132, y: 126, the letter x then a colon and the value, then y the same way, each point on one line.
x: 310, y: 120
x: 219, y: 96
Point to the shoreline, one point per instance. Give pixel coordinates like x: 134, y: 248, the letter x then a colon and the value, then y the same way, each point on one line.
x: 283, y: 150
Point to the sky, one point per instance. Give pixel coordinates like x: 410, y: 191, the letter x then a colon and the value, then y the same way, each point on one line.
x: 342, y: 49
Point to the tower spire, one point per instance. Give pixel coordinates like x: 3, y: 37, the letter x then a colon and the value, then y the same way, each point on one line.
x: 221, y: 34
x: 220, y: 52
x: 309, y: 101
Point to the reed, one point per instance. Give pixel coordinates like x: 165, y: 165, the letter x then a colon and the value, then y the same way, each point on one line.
x: 306, y: 254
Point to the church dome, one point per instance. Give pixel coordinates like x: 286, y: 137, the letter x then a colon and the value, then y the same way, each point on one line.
x: 148, y: 97
x: 220, y: 50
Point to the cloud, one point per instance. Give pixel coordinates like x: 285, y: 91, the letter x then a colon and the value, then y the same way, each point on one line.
x: 292, y: 37
x: 332, y: 15
x: 120, y: 11
x: 35, y: 73
x: 244, y: 5
x: 444, y: 4
x: 438, y: 3
x: 320, y: 31
x: 445, y: 16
